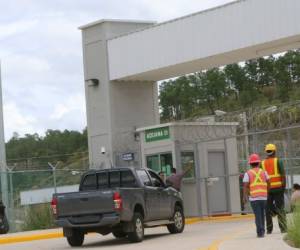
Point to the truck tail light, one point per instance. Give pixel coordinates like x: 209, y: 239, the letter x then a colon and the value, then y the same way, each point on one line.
x: 117, y: 201
x: 54, y: 206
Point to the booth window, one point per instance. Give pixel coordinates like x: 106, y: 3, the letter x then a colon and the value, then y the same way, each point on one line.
x: 186, y: 157
x: 160, y: 162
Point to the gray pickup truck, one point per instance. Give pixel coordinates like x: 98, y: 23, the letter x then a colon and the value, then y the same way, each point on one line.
x: 121, y: 201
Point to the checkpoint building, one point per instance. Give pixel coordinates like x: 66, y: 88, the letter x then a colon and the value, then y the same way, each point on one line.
x: 124, y: 60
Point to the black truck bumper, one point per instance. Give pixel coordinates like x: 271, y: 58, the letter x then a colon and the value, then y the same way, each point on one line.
x: 89, y: 221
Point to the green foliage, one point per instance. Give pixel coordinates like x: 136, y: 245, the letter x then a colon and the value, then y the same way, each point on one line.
x: 38, y: 217
x: 31, y: 151
x: 263, y: 81
x: 293, y: 234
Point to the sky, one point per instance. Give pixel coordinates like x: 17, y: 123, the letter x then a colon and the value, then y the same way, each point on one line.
x: 41, y: 55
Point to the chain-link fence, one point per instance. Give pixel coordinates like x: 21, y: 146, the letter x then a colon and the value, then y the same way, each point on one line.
x: 29, y: 188
x: 248, y: 140
x: 31, y: 182
x: 28, y: 184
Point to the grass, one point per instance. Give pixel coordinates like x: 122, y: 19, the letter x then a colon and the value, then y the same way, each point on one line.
x: 293, y: 234
x: 38, y: 217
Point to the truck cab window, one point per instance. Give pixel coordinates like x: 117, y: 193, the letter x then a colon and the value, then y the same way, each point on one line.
x: 127, y: 179
x: 156, y: 181
x: 89, y: 183
x: 102, y: 180
x: 114, y: 179
x: 144, y: 177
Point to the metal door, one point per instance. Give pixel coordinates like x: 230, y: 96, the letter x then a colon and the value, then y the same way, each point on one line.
x: 216, y: 183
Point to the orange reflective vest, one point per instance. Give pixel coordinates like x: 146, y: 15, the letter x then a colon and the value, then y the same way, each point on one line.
x: 258, y: 183
x: 270, y: 165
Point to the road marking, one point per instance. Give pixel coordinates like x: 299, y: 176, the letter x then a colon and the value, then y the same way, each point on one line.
x: 216, y: 243
x: 32, y: 237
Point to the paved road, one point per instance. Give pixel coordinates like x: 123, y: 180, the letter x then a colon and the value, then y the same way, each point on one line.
x: 195, y: 237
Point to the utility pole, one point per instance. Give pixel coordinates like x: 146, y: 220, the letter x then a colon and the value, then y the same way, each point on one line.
x: 3, y: 169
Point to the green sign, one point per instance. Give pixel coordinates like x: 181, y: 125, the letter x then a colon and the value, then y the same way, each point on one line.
x: 157, y: 134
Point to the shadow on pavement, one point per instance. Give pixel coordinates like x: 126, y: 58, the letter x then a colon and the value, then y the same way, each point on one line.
x: 116, y: 242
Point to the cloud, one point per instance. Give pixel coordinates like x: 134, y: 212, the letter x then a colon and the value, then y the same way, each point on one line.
x: 73, y: 103
x: 10, y: 29
x: 41, y: 55
x: 17, y: 121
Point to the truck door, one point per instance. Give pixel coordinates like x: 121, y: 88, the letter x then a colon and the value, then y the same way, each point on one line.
x: 165, y: 199
x: 151, y: 196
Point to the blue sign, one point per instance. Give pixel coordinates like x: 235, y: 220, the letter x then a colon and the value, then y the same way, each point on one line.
x: 128, y: 157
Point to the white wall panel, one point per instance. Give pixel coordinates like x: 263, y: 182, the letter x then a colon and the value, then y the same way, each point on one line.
x: 237, y: 31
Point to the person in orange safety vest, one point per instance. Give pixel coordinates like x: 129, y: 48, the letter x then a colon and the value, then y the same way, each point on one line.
x: 256, y: 185
x: 275, y: 204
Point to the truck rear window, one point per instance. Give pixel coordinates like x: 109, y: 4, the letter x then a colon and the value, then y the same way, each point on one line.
x: 89, y: 182
x: 102, y: 180
x: 114, y: 179
x: 107, y: 179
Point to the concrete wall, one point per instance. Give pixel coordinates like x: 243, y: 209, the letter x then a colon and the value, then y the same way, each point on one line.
x: 234, y: 32
x: 114, y: 109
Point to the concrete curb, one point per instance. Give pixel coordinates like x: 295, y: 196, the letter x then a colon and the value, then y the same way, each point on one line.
x: 216, y: 219
x: 9, y: 239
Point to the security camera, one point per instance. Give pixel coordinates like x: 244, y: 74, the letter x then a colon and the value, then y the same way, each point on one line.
x: 103, y: 150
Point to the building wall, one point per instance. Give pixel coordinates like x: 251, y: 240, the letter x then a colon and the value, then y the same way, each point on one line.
x: 114, y: 109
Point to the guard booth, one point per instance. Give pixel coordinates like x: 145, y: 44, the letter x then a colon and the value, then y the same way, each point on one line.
x: 211, y: 187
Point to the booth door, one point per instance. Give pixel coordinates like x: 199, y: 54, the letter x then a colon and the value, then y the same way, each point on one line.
x: 216, y: 183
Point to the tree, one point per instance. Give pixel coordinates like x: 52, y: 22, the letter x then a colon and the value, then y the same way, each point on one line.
x: 176, y: 99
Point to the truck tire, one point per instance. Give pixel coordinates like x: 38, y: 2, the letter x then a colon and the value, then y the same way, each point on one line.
x: 4, y: 226
x: 138, y: 228
x: 119, y: 234
x: 77, y: 238
x: 179, y: 223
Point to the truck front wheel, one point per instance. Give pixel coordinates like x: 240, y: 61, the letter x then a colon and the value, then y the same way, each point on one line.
x: 77, y: 238
x: 138, y: 228
x: 178, y: 218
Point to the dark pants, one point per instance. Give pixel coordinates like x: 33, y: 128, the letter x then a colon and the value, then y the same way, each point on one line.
x: 275, y: 206
x: 259, y: 208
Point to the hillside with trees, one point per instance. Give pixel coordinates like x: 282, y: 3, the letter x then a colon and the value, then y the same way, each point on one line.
x: 34, y: 151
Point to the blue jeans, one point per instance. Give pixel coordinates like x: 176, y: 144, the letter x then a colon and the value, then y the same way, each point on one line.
x: 259, y: 209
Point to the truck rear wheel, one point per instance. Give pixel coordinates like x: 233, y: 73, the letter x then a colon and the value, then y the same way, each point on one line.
x: 138, y: 226
x: 77, y: 238
x: 178, y: 218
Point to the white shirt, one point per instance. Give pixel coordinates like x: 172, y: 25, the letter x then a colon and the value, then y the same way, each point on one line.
x: 247, y: 180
